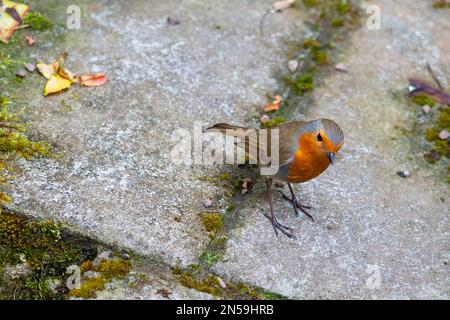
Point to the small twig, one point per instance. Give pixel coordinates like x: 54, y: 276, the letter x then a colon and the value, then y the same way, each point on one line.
x: 432, y: 74
x: 24, y: 26
x: 261, y: 23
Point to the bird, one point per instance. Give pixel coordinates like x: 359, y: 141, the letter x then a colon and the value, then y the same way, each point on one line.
x: 305, y: 150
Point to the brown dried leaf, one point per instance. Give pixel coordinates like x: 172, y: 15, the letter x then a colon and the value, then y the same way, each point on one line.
x: 93, y: 80
x: 274, y: 105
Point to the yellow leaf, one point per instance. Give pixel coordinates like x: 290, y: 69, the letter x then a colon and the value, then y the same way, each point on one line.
x: 56, y: 84
x: 47, y: 70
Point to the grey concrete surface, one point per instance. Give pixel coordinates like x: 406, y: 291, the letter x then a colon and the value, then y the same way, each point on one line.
x: 116, y: 182
x: 370, y: 223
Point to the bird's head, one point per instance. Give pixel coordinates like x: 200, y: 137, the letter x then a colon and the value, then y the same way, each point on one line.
x: 322, y: 137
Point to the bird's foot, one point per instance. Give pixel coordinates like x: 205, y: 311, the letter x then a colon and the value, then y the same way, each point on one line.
x: 278, y: 226
x: 297, y: 205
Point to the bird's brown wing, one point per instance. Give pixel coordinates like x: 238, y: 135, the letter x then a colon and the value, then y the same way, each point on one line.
x: 288, y: 139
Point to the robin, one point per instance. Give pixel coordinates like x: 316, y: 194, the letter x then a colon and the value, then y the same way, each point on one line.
x: 305, y: 150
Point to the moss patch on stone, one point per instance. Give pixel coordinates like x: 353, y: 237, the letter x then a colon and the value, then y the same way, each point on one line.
x: 107, y: 269
x: 441, y: 147
x: 212, y: 222
x: 37, y: 21
x: 274, y: 122
x: 422, y: 100
x: 15, y: 143
x: 195, y: 277
x: 42, y: 246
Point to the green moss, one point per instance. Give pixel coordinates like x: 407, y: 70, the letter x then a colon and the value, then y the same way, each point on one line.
x: 274, y: 296
x: 37, y: 21
x: 320, y: 57
x: 441, y: 4
x: 212, y: 222
x: 204, y: 281
x: 274, y: 122
x: 304, y: 83
x: 15, y: 143
x: 443, y: 121
x: 431, y: 134
x: 223, y: 176
x: 47, y: 250
x: 311, y: 3
x: 210, y: 258
x: 107, y: 269
x: 89, y: 288
x: 443, y: 147
x: 422, y: 100
x: 114, y: 268
x: 343, y: 8
x: 337, y: 23
x: 311, y: 44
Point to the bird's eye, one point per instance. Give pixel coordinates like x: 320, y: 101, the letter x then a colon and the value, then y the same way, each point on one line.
x: 319, y: 137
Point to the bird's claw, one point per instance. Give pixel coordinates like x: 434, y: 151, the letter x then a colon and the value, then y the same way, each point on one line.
x: 296, y: 205
x: 278, y: 226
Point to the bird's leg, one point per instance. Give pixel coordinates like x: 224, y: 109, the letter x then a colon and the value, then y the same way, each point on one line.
x: 276, y: 225
x: 297, y: 205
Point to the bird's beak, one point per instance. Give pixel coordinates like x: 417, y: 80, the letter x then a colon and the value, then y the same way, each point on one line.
x: 331, y: 157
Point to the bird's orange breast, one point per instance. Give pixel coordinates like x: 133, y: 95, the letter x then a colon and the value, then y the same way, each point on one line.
x: 308, y: 162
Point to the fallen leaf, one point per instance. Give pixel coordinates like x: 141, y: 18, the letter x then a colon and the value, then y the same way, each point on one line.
x: 47, y: 70
x: 56, y: 84
x: 417, y: 86
x: 30, y: 40
x: 274, y: 105
x: 11, y: 16
x: 93, y: 80
x: 63, y: 72
x: 281, y: 5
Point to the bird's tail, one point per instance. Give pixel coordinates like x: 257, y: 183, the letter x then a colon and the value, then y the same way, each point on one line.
x: 223, y: 127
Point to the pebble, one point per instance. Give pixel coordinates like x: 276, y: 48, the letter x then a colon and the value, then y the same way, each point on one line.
x: 264, y: 119
x: 341, y: 67
x: 444, y: 135
x: 172, y: 21
x: 403, y: 173
x: 207, y: 203
x: 293, y: 65
x: 21, y: 73
x: 426, y: 108
x: 31, y: 67
x: 435, y: 155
